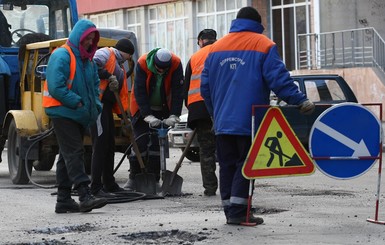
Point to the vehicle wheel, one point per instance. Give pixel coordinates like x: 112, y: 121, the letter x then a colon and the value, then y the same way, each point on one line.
x: 16, y: 165
x: 45, y: 163
x: 192, y: 154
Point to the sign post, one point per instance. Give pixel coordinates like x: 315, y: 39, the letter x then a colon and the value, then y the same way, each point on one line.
x: 345, y: 141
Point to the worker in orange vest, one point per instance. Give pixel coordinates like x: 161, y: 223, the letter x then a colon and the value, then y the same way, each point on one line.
x: 157, y: 95
x: 111, y: 70
x: 71, y: 100
x: 198, y: 116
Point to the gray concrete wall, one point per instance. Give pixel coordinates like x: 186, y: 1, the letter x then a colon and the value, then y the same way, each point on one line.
x: 336, y: 15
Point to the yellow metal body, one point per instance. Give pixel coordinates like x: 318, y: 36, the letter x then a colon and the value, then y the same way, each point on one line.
x: 31, y: 86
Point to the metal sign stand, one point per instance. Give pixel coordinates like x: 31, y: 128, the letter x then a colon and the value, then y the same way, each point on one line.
x: 251, y: 185
x: 363, y: 158
x: 375, y: 220
x: 379, y: 157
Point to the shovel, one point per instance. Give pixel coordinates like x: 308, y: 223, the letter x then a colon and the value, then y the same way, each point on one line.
x: 144, y: 182
x: 172, y: 183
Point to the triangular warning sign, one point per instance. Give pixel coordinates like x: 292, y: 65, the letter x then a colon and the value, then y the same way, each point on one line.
x: 276, y: 150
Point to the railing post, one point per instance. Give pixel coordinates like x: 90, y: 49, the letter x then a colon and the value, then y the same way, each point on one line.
x: 343, y: 49
x: 352, y: 45
x: 318, y: 55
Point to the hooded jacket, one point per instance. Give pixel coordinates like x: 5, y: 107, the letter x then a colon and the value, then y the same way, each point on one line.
x: 85, y: 85
x: 240, y: 70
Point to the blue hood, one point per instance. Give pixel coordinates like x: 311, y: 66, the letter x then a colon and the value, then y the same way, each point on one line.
x: 239, y: 25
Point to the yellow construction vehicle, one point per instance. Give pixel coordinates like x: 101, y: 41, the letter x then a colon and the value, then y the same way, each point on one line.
x: 23, y: 122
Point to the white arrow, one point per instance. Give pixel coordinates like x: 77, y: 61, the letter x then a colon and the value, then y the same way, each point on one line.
x: 360, y: 149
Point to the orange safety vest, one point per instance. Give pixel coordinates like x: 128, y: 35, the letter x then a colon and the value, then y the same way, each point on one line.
x: 175, y: 61
x: 197, y: 62
x: 48, y: 100
x: 110, y: 67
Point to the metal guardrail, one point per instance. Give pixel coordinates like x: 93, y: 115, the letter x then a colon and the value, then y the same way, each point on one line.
x: 341, y: 49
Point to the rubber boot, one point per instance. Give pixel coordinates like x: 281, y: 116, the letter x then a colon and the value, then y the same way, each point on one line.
x: 65, y: 204
x: 88, y: 201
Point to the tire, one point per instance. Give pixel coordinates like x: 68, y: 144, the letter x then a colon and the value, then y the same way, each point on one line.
x: 192, y: 154
x: 16, y: 165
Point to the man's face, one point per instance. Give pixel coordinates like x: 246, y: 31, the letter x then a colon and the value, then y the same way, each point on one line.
x: 126, y: 56
x: 160, y: 70
x: 200, y: 43
x: 87, y: 42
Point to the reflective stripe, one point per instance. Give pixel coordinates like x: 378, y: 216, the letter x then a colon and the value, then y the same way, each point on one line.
x: 48, y: 100
x: 226, y: 202
x: 238, y: 200
x: 123, y: 94
x: 194, y: 91
x: 110, y: 67
x: 234, y: 200
x: 195, y: 77
x: 197, y: 64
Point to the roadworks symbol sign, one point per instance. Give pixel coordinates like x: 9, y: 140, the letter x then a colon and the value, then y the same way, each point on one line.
x: 276, y: 150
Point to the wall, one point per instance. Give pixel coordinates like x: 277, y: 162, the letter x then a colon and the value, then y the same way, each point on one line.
x: 95, y: 6
x: 336, y: 15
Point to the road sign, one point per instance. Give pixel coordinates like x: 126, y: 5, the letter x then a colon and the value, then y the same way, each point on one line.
x: 276, y: 150
x: 345, y: 140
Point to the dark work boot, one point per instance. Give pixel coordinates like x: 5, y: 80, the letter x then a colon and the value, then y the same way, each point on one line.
x: 88, y: 201
x: 65, y: 204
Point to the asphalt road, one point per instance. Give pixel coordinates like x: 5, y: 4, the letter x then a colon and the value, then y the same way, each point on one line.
x: 311, y: 209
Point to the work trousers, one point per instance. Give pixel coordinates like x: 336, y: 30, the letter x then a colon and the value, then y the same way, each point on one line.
x: 232, y: 151
x: 70, y: 165
x: 206, y: 140
x: 103, y: 151
x: 148, y: 144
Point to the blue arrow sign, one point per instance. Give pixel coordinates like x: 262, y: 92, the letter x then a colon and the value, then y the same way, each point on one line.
x: 345, y: 140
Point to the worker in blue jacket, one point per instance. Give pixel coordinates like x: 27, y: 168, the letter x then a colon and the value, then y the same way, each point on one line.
x: 240, y: 71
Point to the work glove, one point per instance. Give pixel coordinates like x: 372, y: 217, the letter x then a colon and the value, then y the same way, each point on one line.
x: 113, y: 83
x: 306, y: 107
x: 153, y: 121
x: 171, y: 120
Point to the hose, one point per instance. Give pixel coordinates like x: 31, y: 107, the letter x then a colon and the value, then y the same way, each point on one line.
x: 125, y: 153
x: 36, y: 138
x: 118, y: 198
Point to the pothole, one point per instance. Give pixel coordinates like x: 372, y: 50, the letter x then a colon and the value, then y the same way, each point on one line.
x: 263, y: 210
x: 165, y: 237
x: 65, y: 229
x: 324, y: 193
x: 43, y: 242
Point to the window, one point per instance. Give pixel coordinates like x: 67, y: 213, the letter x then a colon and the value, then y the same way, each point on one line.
x: 133, y: 23
x: 168, y: 29
x: 217, y: 14
x: 324, y: 91
x: 108, y: 20
x: 289, y: 18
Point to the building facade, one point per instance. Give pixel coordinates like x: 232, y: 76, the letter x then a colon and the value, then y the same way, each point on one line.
x: 175, y: 24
